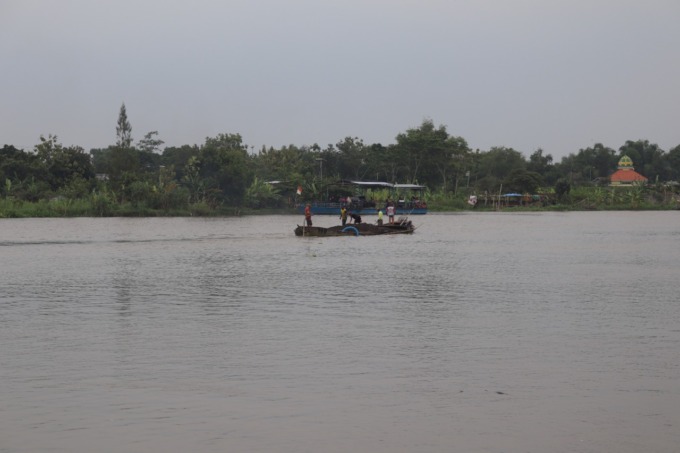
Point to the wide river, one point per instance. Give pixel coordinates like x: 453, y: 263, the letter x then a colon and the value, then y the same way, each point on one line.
x: 481, y: 332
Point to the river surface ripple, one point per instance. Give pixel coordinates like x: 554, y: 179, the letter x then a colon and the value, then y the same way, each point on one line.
x: 481, y: 332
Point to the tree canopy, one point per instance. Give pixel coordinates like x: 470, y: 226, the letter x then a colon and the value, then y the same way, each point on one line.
x: 222, y: 170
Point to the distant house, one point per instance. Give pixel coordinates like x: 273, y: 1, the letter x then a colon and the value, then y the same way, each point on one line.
x: 626, y: 174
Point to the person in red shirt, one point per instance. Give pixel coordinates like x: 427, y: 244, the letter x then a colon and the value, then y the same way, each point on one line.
x: 308, y: 214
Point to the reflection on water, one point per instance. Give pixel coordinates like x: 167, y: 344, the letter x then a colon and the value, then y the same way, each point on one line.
x: 479, y: 333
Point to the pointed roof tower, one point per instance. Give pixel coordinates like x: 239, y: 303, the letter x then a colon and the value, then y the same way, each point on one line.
x: 626, y: 174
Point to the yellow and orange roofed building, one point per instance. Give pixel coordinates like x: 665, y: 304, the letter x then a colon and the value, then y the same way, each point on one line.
x: 626, y: 174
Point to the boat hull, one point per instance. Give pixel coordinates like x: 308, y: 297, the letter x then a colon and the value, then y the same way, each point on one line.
x: 362, y: 229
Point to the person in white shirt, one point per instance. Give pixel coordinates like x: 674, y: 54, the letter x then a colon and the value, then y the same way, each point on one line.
x: 390, y: 213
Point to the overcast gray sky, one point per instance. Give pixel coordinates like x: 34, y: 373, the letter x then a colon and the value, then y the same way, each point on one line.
x: 556, y: 74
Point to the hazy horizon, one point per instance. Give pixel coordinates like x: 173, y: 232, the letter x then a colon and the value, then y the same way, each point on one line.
x: 557, y: 75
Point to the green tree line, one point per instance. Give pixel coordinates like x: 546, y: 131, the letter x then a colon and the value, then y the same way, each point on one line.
x: 221, y: 173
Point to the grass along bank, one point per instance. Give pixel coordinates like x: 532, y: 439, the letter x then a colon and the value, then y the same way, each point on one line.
x: 578, y: 199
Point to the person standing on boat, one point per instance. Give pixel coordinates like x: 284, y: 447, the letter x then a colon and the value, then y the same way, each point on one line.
x: 343, y: 215
x: 308, y: 214
x: 390, y: 212
x: 380, y: 217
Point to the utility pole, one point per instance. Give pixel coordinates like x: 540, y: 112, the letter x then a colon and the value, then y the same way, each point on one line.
x: 320, y: 160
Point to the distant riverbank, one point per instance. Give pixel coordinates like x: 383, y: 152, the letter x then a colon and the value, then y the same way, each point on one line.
x: 87, y: 208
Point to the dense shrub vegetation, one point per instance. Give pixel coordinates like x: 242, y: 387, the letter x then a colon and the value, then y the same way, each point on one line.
x: 222, y: 177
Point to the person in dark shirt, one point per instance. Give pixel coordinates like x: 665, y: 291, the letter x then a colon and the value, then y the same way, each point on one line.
x: 355, y: 217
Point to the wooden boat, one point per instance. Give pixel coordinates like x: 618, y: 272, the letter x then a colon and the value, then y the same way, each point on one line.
x: 401, y: 226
